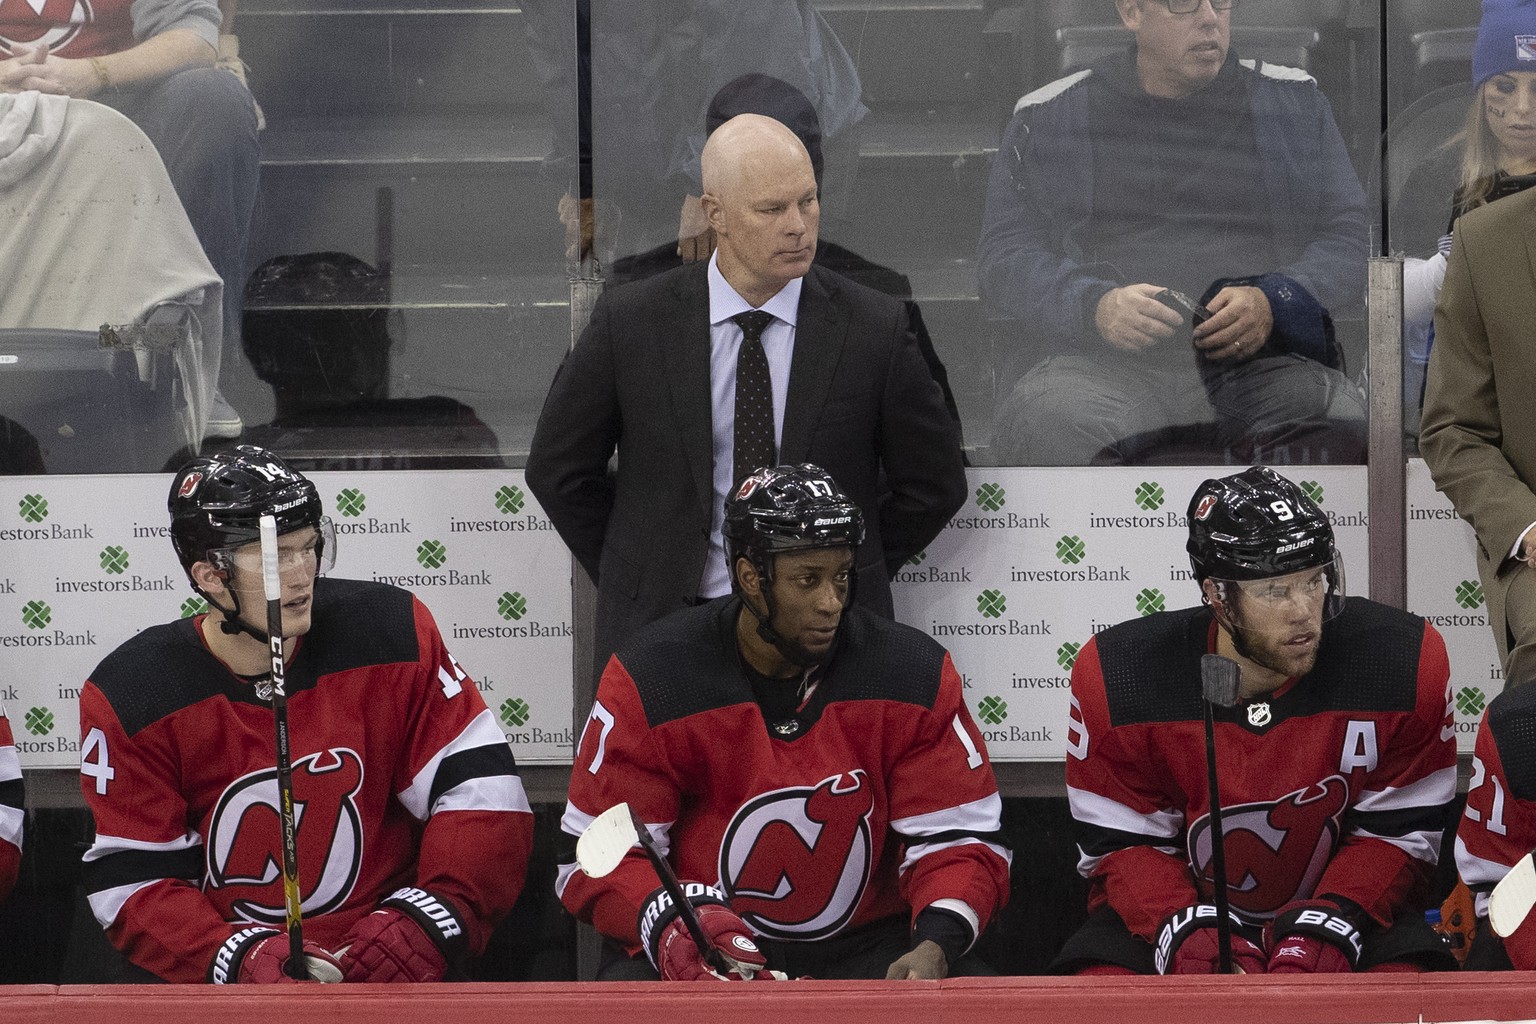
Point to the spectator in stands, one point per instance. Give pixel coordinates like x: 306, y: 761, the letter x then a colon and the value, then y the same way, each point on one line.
x: 654, y: 377
x: 154, y: 61
x: 1493, y: 156
x: 732, y: 725
x: 12, y: 809
x: 1334, y: 763
x: 1479, y: 436
x: 1175, y: 168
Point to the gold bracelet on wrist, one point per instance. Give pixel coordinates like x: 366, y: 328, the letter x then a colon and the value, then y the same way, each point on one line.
x: 101, y: 73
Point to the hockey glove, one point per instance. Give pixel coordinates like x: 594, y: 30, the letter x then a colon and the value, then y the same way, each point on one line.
x: 260, y: 955
x: 1313, y: 937
x: 1188, y: 943
x: 413, y: 936
x: 676, y: 956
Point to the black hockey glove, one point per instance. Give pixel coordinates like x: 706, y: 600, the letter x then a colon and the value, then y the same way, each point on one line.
x: 1188, y: 943
x: 1314, y: 937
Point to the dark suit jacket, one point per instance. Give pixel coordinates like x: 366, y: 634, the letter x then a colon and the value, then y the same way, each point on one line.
x: 862, y: 405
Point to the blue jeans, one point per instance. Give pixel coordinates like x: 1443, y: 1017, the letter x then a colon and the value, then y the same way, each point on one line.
x: 203, y: 123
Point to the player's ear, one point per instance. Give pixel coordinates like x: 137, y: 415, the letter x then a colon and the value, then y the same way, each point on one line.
x: 208, y: 577
x: 746, y: 575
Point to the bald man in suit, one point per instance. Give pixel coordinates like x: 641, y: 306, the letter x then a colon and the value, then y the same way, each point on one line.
x: 653, y: 379
x: 1479, y: 428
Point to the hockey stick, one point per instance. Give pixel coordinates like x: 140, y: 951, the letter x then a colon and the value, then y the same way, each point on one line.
x: 603, y: 844
x: 296, y: 967
x: 1512, y: 899
x: 1219, y: 677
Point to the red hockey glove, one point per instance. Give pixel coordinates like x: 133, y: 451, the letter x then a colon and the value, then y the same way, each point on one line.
x: 1312, y: 937
x: 259, y: 955
x: 1188, y: 943
x: 675, y: 955
x: 413, y: 936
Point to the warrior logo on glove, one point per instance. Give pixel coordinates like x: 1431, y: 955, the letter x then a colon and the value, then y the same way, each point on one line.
x: 816, y: 840
x: 245, y: 840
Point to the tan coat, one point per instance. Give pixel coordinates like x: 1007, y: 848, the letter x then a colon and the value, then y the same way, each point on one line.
x: 1479, y: 426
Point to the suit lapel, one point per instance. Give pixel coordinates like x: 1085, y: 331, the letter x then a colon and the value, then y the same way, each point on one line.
x: 684, y: 340
x: 822, y: 325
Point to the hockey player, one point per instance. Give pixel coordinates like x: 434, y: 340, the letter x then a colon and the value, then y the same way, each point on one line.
x: 12, y: 809
x: 1335, y: 765
x: 811, y: 767
x: 1498, y: 826
x: 413, y: 827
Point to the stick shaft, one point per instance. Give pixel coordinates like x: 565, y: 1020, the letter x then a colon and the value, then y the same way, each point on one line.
x: 711, y: 955
x: 276, y: 646
x: 1218, y: 849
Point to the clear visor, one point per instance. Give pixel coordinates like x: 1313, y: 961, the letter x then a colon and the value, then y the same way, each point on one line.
x: 1321, y: 585
x: 311, y: 548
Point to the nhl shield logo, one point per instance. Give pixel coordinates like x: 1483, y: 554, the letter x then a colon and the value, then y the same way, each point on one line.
x: 1259, y: 714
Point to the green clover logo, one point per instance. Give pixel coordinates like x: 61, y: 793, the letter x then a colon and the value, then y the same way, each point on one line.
x: 114, y: 560
x: 919, y: 558
x: 34, y: 508
x: 514, y: 711
x: 1071, y: 549
x: 991, y: 603
x: 39, y: 721
x: 193, y: 606
x: 1149, y: 601
x: 1469, y: 593
x: 1066, y: 655
x: 1470, y: 701
x: 1313, y: 490
x: 991, y: 497
x: 1150, y: 496
x: 431, y: 553
x: 509, y: 500
x: 36, y: 614
x: 351, y: 502
x: 512, y: 605
x: 992, y: 710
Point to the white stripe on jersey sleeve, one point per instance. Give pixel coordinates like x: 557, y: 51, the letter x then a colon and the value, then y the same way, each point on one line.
x: 105, y: 845
x: 1423, y: 845
x: 482, y: 731
x: 489, y: 793
x: 1094, y: 809
x: 575, y: 821
x: 1432, y: 791
x: 921, y: 850
x: 962, y: 908
x: 10, y: 764
x: 984, y: 815
x: 1477, y: 871
x: 11, y: 821
x: 107, y: 903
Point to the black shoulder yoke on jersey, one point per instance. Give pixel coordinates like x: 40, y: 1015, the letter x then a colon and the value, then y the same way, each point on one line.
x: 1368, y: 660
x: 166, y: 668
x: 687, y: 663
x: 1512, y: 717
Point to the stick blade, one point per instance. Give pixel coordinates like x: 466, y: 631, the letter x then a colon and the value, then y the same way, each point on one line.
x: 604, y: 843
x: 1512, y: 899
x: 1219, y: 679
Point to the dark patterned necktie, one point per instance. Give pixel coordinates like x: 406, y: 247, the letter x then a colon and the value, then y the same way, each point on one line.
x: 753, y: 446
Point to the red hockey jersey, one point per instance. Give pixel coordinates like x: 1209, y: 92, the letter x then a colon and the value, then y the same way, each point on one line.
x: 877, y: 799
x: 1336, y: 783
x: 401, y: 776
x: 11, y: 808
x: 1498, y: 826
x: 92, y: 28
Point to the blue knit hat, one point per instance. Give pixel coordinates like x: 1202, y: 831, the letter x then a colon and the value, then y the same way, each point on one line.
x: 1506, y: 39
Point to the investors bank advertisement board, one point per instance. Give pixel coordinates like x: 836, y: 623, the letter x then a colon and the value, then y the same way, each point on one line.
x: 1034, y: 564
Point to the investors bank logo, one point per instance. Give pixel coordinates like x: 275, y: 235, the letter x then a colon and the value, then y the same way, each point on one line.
x: 1313, y: 490
x: 114, y: 560
x: 36, y: 615
x: 512, y: 606
x: 1470, y: 701
x: 1469, y: 594
x: 36, y: 618
x: 33, y: 511
x: 431, y: 554
x: 991, y: 497
x: 39, y: 721
x: 1150, y: 496
x: 509, y: 500
x: 193, y: 606
x: 914, y: 571
x: 992, y: 710
x: 1066, y: 655
x: 34, y: 508
x: 351, y: 502
x: 510, y: 504
x: 1149, y: 601
x: 515, y: 715
x: 991, y: 604
x: 1070, y: 550
x: 515, y: 712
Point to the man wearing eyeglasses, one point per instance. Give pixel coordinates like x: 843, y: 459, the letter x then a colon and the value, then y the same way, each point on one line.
x: 1173, y: 229
x: 1335, y: 761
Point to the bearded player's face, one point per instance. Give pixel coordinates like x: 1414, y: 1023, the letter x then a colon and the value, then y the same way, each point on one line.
x: 1281, y: 619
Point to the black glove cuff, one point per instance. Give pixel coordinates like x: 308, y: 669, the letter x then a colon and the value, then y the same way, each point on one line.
x: 1180, y: 925
x: 947, y: 929
x: 658, y: 911
x: 435, y: 916
x: 225, y: 969
x: 1322, y: 922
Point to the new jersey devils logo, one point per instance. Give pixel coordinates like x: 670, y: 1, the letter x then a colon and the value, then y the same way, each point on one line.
x: 1275, y: 851
x: 795, y: 862
x: 54, y: 22
x: 245, y: 836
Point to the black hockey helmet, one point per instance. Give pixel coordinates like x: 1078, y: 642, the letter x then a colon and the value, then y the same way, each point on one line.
x: 789, y: 508
x: 217, y: 501
x: 1256, y: 524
